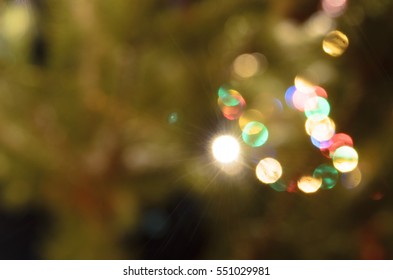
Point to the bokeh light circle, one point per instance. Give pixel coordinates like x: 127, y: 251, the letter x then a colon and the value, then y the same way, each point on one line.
x: 255, y: 134
x: 334, y: 8
x: 246, y: 65
x: 320, y: 127
x: 279, y: 186
x: 300, y: 98
x: 339, y: 140
x: 316, y: 106
x: 306, y: 81
x: 335, y: 43
x: 352, y: 179
x: 321, y: 92
x: 345, y: 159
x: 231, y: 103
x: 309, y: 184
x: 225, y: 148
x: 289, y: 96
x: 328, y: 174
x: 249, y: 116
x: 322, y: 145
x: 268, y: 170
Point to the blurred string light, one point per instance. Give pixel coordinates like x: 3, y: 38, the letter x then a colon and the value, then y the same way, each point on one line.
x: 309, y: 184
x: 345, y: 159
x: 328, y: 174
x: 268, y: 170
x: 305, y: 96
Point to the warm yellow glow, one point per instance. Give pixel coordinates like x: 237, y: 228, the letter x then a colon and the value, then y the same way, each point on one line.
x: 268, y: 170
x: 335, y: 43
x: 308, y: 184
x: 352, y: 179
x: 250, y: 116
x: 225, y: 149
x: 246, y: 65
x: 321, y: 128
x: 345, y: 159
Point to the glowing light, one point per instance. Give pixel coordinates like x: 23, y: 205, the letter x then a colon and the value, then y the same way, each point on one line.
x: 231, y: 103
x: 279, y: 186
x: 225, y: 149
x: 246, y: 65
x: 172, y: 118
x: 15, y: 21
x: 321, y: 128
x: 334, y: 8
x: 308, y: 184
x: 345, y: 159
x: 300, y: 99
x: 335, y: 43
x: 306, y: 81
x: 339, y: 140
x: 321, y: 92
x: 255, y: 134
x: 249, y: 116
x: 352, y: 179
x: 320, y: 144
x: 318, y: 24
x: 328, y: 174
x: 268, y: 170
x: 289, y: 96
x: 317, y: 106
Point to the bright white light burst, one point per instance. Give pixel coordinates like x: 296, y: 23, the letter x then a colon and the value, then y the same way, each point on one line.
x: 225, y: 149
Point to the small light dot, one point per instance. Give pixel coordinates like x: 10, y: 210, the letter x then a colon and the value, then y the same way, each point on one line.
x: 268, y: 170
